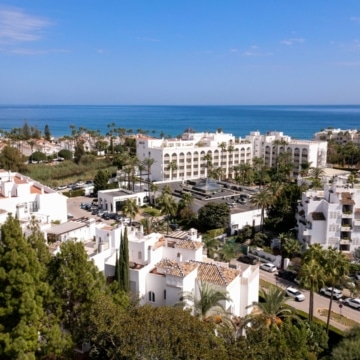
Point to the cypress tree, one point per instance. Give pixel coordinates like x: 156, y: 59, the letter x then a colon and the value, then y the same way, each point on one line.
x: 21, y: 303
x: 47, y: 133
x: 124, y: 281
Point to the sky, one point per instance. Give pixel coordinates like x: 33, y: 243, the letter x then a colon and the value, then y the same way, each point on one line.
x: 180, y: 52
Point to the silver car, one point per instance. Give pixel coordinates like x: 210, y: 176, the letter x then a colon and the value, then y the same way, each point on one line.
x: 269, y: 267
x: 295, y: 294
x: 353, y: 302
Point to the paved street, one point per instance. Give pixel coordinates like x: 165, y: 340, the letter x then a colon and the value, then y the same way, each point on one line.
x: 321, y: 302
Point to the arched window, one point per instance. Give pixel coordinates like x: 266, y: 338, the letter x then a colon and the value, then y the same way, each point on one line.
x: 151, y: 296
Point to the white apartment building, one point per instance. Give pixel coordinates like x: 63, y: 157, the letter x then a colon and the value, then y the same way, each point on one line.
x: 331, y: 217
x: 164, y: 266
x: 192, y: 155
x: 25, y: 198
x: 270, y: 145
x: 340, y: 136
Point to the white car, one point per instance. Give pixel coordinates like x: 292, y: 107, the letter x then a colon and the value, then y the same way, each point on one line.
x: 270, y: 267
x: 353, y: 302
x: 337, y: 294
x: 295, y: 294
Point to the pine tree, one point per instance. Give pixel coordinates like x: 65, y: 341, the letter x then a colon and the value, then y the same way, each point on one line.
x: 124, y: 281
x: 20, y: 294
x: 47, y: 133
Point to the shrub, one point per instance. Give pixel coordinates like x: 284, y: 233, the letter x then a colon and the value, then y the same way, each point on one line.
x: 66, y: 154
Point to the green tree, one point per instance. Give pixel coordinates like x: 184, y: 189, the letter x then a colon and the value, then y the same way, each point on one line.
x: 130, y: 208
x: 271, y: 311
x: 214, y: 216
x: 154, y: 188
x: 37, y: 156
x: 167, y: 207
x: 209, y: 301
x: 172, y: 167
x: 100, y: 181
x: 148, y: 163
x: 21, y: 301
x: 11, y: 159
x: 336, y: 267
x: 262, y: 199
x: 211, y: 244
x: 148, y: 332
x: 65, y: 154
x: 124, y: 280
x: 47, y: 133
x: 312, y: 274
x: 75, y: 282
x: 349, y: 347
x: 79, y: 150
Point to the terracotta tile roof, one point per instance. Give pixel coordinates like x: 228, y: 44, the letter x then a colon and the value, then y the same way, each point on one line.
x: 215, y: 274
x: 35, y: 190
x: 176, y: 269
x: 318, y: 216
x: 188, y: 244
x: 346, y: 199
x: 357, y: 211
x: 18, y: 180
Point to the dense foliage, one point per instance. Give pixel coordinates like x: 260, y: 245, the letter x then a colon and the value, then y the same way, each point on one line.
x: 214, y: 216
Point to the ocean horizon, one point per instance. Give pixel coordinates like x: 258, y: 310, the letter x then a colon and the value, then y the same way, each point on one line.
x: 297, y: 121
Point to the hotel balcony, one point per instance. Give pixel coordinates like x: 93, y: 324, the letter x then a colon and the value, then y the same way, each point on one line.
x: 346, y: 228
x: 347, y: 215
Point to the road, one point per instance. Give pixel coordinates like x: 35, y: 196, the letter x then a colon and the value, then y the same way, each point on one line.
x: 320, y: 302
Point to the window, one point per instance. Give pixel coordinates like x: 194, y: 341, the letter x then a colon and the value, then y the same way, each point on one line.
x: 139, y: 255
x: 164, y: 294
x: 151, y: 296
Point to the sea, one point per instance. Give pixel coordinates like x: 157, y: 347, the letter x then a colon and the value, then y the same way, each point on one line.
x: 299, y: 122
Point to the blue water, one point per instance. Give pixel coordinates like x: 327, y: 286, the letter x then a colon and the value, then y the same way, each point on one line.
x: 300, y: 122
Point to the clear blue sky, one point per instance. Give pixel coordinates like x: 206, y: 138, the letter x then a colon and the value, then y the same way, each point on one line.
x: 180, y: 52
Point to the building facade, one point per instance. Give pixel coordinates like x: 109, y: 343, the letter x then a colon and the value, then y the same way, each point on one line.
x: 26, y: 198
x: 162, y: 267
x: 192, y: 156
x: 273, y: 143
x: 195, y: 154
x: 331, y: 217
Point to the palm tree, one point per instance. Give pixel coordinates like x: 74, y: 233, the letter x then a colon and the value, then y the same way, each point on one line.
x: 187, y: 199
x: 130, y: 208
x: 271, y: 311
x: 208, y: 163
x: 312, y: 278
x: 211, y: 244
x: 336, y: 267
x: 208, y: 303
x: 141, y: 168
x: 167, y: 206
x: 172, y: 167
x: 149, y: 162
x: 154, y: 188
x: 262, y: 200
x: 316, y: 172
x: 289, y: 246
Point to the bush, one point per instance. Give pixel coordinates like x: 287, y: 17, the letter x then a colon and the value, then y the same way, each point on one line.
x: 66, y: 154
x: 37, y: 156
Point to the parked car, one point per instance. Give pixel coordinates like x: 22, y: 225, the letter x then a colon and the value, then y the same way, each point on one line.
x: 248, y: 259
x: 295, y: 293
x: 270, y: 267
x: 337, y: 294
x: 353, y: 302
x: 287, y: 275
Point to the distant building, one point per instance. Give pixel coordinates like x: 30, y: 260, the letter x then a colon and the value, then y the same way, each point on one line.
x: 270, y: 145
x: 191, y: 156
x: 331, y: 217
x: 26, y: 198
x: 341, y: 137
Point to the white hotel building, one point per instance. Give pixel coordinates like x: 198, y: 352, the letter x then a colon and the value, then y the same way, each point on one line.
x: 190, y: 153
x: 331, y: 217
